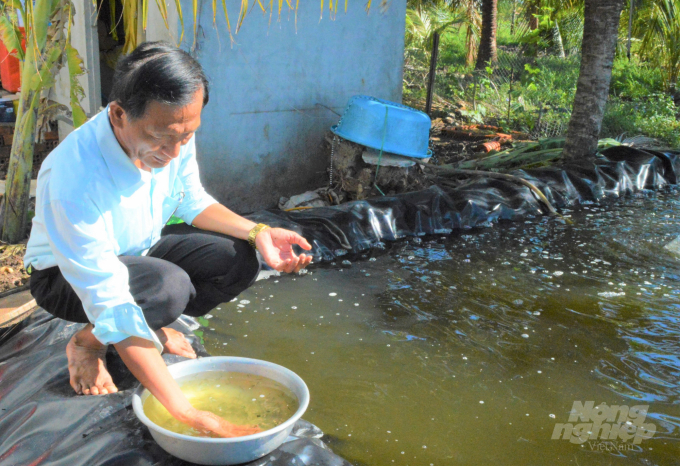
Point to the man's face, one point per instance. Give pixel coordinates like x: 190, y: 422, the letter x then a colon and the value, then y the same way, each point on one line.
x: 156, y: 138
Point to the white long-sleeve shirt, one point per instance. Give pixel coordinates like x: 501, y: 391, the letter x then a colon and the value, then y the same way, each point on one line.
x: 93, y: 205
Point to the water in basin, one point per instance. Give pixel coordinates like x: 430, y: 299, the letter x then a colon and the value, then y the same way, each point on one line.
x: 242, y: 399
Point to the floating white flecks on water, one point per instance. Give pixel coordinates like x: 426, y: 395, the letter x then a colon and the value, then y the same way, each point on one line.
x: 481, y: 402
x: 293, y: 307
x: 558, y: 273
x: 524, y: 335
x: 552, y: 416
x: 611, y: 294
x: 332, y: 294
x: 244, y: 301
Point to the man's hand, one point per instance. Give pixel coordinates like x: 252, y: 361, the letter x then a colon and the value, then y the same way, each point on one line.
x: 276, y: 247
x: 209, y: 423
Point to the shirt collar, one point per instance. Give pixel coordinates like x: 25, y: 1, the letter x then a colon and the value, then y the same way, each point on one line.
x: 124, y: 173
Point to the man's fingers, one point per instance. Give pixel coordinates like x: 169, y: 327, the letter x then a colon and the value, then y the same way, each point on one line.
x: 300, y: 241
x: 303, y: 262
x: 290, y: 265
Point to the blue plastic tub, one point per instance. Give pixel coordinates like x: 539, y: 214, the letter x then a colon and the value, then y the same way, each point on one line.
x: 381, y: 124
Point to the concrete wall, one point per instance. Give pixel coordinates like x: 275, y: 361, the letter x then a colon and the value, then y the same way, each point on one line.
x: 261, y: 132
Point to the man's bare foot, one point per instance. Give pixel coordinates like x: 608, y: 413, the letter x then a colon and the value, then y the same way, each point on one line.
x: 174, y: 342
x: 87, y: 364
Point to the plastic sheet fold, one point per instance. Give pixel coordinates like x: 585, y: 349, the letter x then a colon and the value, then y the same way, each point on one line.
x: 360, y: 225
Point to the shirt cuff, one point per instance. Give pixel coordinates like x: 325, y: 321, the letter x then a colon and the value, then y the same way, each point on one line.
x: 117, y: 323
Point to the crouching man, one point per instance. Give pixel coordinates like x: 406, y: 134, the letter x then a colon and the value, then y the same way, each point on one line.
x: 100, y: 252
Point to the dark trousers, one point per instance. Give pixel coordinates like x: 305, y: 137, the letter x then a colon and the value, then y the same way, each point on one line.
x: 189, y: 271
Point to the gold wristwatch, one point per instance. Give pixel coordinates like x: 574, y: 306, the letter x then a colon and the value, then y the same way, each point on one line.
x: 254, y: 232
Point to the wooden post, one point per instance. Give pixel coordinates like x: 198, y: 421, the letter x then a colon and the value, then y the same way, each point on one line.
x: 630, y: 26
x: 512, y: 78
x: 433, y: 72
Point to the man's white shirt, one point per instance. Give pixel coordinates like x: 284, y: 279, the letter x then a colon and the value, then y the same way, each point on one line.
x: 93, y: 205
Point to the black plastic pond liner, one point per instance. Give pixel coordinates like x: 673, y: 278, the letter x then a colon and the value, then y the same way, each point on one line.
x: 357, y: 226
x: 42, y: 422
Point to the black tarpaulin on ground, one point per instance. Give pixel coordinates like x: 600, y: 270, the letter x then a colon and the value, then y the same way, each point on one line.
x: 360, y: 225
x: 42, y: 422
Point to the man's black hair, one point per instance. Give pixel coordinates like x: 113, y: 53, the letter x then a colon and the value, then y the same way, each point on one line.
x: 157, y: 71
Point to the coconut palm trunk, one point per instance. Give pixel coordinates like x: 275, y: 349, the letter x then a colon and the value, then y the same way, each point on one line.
x: 487, y: 42
x: 600, y: 34
x: 532, y: 9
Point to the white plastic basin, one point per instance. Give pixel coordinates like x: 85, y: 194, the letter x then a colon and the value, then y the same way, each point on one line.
x: 223, y: 451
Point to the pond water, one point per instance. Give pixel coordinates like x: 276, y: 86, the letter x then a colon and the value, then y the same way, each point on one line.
x: 469, y: 349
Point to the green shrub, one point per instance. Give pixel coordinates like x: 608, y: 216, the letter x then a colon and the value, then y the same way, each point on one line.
x: 635, y: 80
x: 654, y: 116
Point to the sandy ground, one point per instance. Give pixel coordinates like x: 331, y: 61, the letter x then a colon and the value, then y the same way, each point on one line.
x: 12, y: 272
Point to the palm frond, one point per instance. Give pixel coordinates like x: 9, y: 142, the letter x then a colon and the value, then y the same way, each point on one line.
x: 658, y: 29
